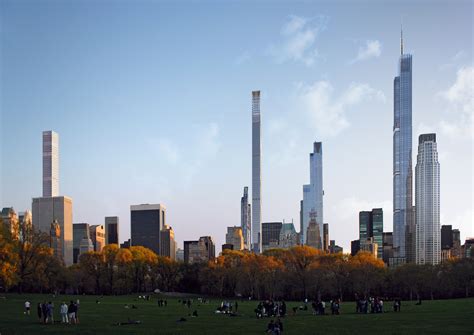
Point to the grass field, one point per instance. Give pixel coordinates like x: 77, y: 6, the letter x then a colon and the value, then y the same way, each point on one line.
x: 432, y: 317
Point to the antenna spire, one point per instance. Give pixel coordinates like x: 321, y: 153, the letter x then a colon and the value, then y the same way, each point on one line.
x: 401, y: 39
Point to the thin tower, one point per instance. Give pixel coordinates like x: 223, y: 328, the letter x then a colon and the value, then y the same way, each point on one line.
x: 256, y: 174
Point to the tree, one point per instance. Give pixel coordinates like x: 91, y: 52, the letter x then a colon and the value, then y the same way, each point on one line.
x: 8, y: 261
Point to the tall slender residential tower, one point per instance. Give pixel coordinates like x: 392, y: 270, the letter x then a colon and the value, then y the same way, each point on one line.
x: 50, y: 164
x: 402, y: 155
x: 427, y: 199
x: 256, y: 174
x: 313, y: 193
x: 245, y: 218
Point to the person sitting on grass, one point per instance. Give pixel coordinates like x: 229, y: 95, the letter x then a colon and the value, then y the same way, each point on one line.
x: 270, y: 327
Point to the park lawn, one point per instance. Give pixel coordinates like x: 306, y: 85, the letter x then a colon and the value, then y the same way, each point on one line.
x: 432, y: 317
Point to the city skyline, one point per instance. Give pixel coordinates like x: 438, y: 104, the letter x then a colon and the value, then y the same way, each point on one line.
x: 144, y: 168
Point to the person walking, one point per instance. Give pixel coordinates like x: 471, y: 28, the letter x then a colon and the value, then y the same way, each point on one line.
x: 27, y: 307
x: 63, y: 310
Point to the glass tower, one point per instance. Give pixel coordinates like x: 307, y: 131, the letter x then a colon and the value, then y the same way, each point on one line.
x: 245, y: 218
x: 256, y: 174
x: 402, y: 154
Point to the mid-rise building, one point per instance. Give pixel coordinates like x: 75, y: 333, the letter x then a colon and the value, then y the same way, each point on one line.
x: 80, y: 232
x: 111, y: 230
x: 146, y: 222
x: 246, y: 219
x: 387, y: 247
x: 50, y: 164
x: 256, y: 174
x: 371, y: 226
x: 446, y: 237
x: 180, y: 255
x: 25, y: 220
x: 271, y: 235
x: 313, y: 193
x: 370, y: 246
x: 85, y: 246
x: 427, y: 198
x: 97, y: 235
x: 49, y: 209
x: 335, y: 249
x: 456, y: 252
x: 289, y: 238
x: 235, y: 238
x: 126, y: 244
x: 168, y: 244
x: 199, y: 251
x: 468, y: 248
x: 11, y: 222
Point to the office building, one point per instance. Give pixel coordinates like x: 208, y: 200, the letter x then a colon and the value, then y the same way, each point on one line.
x: 371, y: 226
x: 80, y: 232
x: 235, y: 238
x: 199, y: 251
x: 180, y: 255
x: 456, y: 252
x: 48, y: 209
x: 111, y: 230
x: 271, y: 235
x: 427, y: 199
x: 313, y: 235
x: 334, y: 249
x: 167, y: 242
x: 246, y: 219
x: 256, y: 174
x: 387, y: 241
x: 146, y: 222
x: 402, y: 154
x: 227, y: 246
x: 446, y: 237
x: 85, y: 246
x: 126, y: 244
x: 313, y: 193
x: 355, y: 247
x: 97, y: 235
x: 50, y: 164
x: 369, y: 245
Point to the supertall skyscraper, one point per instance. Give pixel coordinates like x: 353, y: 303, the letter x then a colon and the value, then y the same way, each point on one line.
x: 246, y: 218
x: 427, y: 198
x: 402, y: 155
x: 256, y: 174
x: 50, y: 164
x: 313, y: 192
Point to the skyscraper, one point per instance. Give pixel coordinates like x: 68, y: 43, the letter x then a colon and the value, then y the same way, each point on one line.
x: 50, y: 164
x: 146, y: 222
x: 271, y: 235
x: 371, y: 227
x: 402, y: 153
x: 111, y: 230
x: 326, y: 237
x: 313, y: 192
x: 256, y: 174
x: 80, y: 231
x: 246, y: 218
x: 427, y: 198
x: 167, y: 242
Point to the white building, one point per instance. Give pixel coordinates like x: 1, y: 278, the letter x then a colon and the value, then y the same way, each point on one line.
x: 50, y: 164
x: 427, y: 202
x: 256, y: 174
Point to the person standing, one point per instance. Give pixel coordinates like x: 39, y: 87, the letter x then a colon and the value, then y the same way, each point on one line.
x: 71, y: 312
x: 39, y: 311
x: 63, y: 310
x: 44, y: 311
x: 27, y: 307
x: 50, y: 311
x: 76, y: 310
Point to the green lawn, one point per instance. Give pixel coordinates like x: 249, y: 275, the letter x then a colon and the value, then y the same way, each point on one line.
x: 433, y: 317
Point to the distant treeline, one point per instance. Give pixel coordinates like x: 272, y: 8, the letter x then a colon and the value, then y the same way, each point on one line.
x: 297, y: 273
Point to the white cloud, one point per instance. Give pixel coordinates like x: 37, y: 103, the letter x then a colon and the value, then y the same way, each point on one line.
x: 326, y: 114
x: 298, y: 42
x: 371, y: 49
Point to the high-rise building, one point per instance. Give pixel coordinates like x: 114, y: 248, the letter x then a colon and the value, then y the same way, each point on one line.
x: 85, y: 246
x: 427, y: 199
x: 111, y: 230
x: 146, y: 222
x: 313, y: 192
x: 180, y: 255
x: 80, y: 231
x: 246, y: 218
x: 256, y: 174
x: 167, y: 242
x: 456, y: 252
x: 402, y: 154
x: 326, y: 237
x: 446, y: 237
x: 50, y: 164
x: 235, y: 238
x: 371, y: 226
x: 199, y: 251
x: 313, y: 235
x: 97, y: 235
x: 355, y: 247
x: 387, y: 241
x: 55, y: 240
x: 369, y: 245
x: 11, y: 222
x: 271, y: 235
x: 48, y: 209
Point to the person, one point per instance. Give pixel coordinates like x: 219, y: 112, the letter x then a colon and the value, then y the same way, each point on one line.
x: 63, y: 310
x: 50, y: 311
x: 39, y: 311
x: 76, y: 310
x: 27, y: 307
x: 236, y: 306
x: 71, y: 311
x: 44, y: 311
x: 270, y: 327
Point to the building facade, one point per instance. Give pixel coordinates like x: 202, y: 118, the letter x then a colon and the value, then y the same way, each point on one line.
x: 326, y: 237
x: 271, y: 235
x: 146, y: 223
x: 369, y: 245
x: 371, y: 226
x: 402, y: 154
x: 313, y: 192
x: 199, y: 251
x: 111, y: 230
x: 167, y: 242
x: 246, y: 219
x: 97, y: 235
x: 235, y: 237
x: 55, y: 240
x: 50, y: 164
x: 387, y: 241
x: 80, y: 232
x: 47, y: 210
x: 11, y: 222
x: 256, y: 174
x: 427, y: 199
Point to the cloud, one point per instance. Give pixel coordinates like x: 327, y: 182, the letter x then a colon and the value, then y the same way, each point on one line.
x: 298, y: 40
x: 326, y: 114
x: 460, y: 100
x: 456, y: 59
x: 371, y: 49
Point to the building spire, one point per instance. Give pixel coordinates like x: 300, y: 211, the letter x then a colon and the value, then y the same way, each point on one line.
x: 401, y: 39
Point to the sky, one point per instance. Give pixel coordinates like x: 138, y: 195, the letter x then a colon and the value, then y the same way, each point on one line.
x: 152, y: 103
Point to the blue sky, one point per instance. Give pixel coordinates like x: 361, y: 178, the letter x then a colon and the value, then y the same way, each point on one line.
x: 152, y: 102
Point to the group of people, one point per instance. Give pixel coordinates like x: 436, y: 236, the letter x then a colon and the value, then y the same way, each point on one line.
x: 226, y: 307
x: 275, y: 327
x: 270, y: 308
x: 45, y: 311
x: 375, y: 304
x: 162, y: 303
